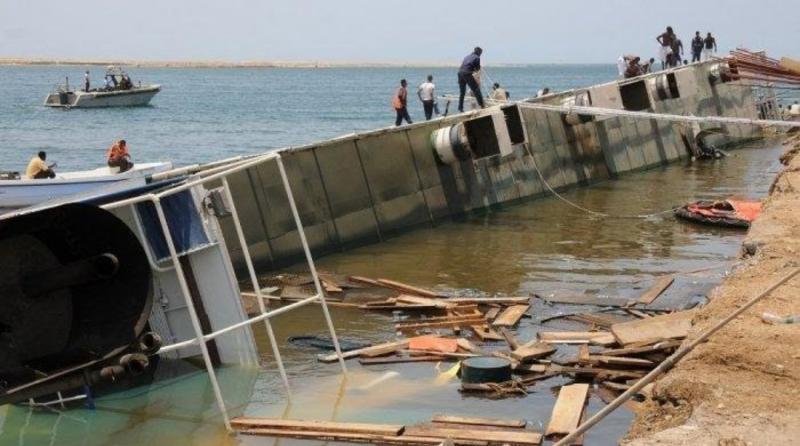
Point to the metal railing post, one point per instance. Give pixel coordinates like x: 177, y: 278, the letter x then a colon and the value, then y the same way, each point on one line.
x: 310, y: 261
x: 192, y: 313
x: 254, y: 279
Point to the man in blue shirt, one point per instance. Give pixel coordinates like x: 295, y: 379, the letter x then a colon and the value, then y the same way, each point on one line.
x: 470, y: 66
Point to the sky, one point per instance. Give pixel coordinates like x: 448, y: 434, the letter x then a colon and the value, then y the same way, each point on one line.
x: 411, y: 31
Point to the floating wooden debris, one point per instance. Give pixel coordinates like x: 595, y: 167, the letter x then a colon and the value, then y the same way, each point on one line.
x: 416, y: 300
x: 322, y: 426
x: 587, y: 300
x: 477, y: 421
x: 568, y: 410
x: 577, y: 337
x: 510, y: 316
x: 490, y: 300
x: 658, y: 287
x: 375, y: 350
x: 654, y: 348
x: 484, y: 333
x: 532, y: 350
x: 512, y: 437
x: 433, y: 343
x: 404, y: 359
x: 617, y: 361
x: 443, y: 322
x: 668, y: 326
x: 410, y: 289
x: 600, y: 320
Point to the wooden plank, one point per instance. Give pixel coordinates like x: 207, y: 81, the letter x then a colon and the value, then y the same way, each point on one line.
x: 618, y: 361
x: 416, y: 300
x: 404, y: 359
x: 657, y: 347
x: 350, y: 437
x: 510, y: 339
x: 314, y: 425
x: 568, y: 410
x: 485, y: 333
x: 510, y: 316
x: 577, y: 337
x: 658, y: 287
x: 587, y: 300
x: 516, y: 437
x: 442, y: 323
x: 375, y: 350
x: 465, y: 344
x: 410, y: 289
x: 365, y: 281
x: 530, y: 368
x: 492, y: 313
x: 600, y: 320
x: 392, y: 307
x: 478, y: 421
x: 330, y: 287
x: 531, y: 351
x: 490, y: 300
x: 667, y: 326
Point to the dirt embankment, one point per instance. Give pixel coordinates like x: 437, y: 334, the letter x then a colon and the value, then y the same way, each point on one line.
x: 742, y: 387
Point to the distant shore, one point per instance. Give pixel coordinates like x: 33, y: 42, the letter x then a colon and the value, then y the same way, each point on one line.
x: 12, y: 61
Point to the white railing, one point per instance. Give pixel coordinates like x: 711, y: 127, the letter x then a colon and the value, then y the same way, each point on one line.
x: 201, y: 338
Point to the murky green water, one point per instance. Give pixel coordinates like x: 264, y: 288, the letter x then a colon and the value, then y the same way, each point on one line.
x: 543, y: 247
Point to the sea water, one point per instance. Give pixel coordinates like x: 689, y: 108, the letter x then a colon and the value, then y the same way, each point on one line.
x: 205, y: 114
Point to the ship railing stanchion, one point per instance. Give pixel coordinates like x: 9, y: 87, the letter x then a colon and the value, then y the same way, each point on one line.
x: 312, y: 268
x: 256, y: 287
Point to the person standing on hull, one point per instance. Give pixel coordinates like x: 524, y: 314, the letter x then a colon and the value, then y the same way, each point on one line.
x: 37, y: 168
x: 697, y: 47
x: 86, y: 81
x: 677, y: 52
x: 666, y: 40
x: 400, y: 103
x: 466, y: 76
x: 711, y: 47
x: 427, y: 94
x: 118, y: 156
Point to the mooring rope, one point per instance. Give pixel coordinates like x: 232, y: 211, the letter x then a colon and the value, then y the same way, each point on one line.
x: 589, y: 211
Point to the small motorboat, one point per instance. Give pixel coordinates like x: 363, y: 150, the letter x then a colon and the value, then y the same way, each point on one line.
x: 119, y: 91
x: 728, y: 213
x: 17, y: 192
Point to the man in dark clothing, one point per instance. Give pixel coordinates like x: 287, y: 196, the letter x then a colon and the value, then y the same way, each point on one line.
x: 677, y: 51
x: 710, y: 47
x: 400, y: 103
x: 466, y: 76
x: 697, y: 47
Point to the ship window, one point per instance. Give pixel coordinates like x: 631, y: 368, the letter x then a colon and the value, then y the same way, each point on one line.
x: 516, y: 131
x: 634, y: 96
x: 482, y: 137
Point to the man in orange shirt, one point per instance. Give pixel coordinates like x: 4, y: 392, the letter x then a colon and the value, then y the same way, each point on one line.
x: 118, y: 156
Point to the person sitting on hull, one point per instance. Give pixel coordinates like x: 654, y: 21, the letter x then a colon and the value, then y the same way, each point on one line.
x: 499, y: 94
x: 37, y: 168
x: 634, y: 69
x: 118, y: 156
x: 468, y: 74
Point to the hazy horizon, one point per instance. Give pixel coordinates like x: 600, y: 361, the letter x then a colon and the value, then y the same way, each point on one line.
x: 357, y: 31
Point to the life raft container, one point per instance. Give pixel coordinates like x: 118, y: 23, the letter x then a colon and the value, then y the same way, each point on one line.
x: 727, y: 213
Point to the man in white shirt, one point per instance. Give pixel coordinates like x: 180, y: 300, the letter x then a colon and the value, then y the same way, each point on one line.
x: 427, y: 94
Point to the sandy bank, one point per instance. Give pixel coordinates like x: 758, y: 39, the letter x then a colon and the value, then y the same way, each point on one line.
x: 742, y: 387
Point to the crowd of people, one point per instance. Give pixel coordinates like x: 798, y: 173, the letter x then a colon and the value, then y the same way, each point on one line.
x: 671, y: 53
x: 117, y: 157
x: 469, y: 75
x: 110, y: 82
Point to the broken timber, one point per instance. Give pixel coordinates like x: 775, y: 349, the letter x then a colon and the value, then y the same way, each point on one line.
x: 375, y: 350
x: 658, y: 287
x: 510, y: 316
x: 577, y: 337
x: 451, y: 419
x: 668, y: 326
x: 587, y: 300
x: 568, y: 410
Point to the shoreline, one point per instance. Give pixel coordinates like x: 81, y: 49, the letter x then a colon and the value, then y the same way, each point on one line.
x: 24, y: 61
x: 740, y: 387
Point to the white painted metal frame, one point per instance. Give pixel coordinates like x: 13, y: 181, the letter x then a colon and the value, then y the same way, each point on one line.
x: 202, y: 338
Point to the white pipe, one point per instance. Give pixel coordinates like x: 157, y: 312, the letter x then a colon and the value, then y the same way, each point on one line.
x: 598, y: 111
x: 310, y: 260
x: 193, y: 315
x: 254, y: 280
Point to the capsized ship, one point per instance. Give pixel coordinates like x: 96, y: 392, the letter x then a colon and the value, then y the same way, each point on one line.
x: 119, y: 91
